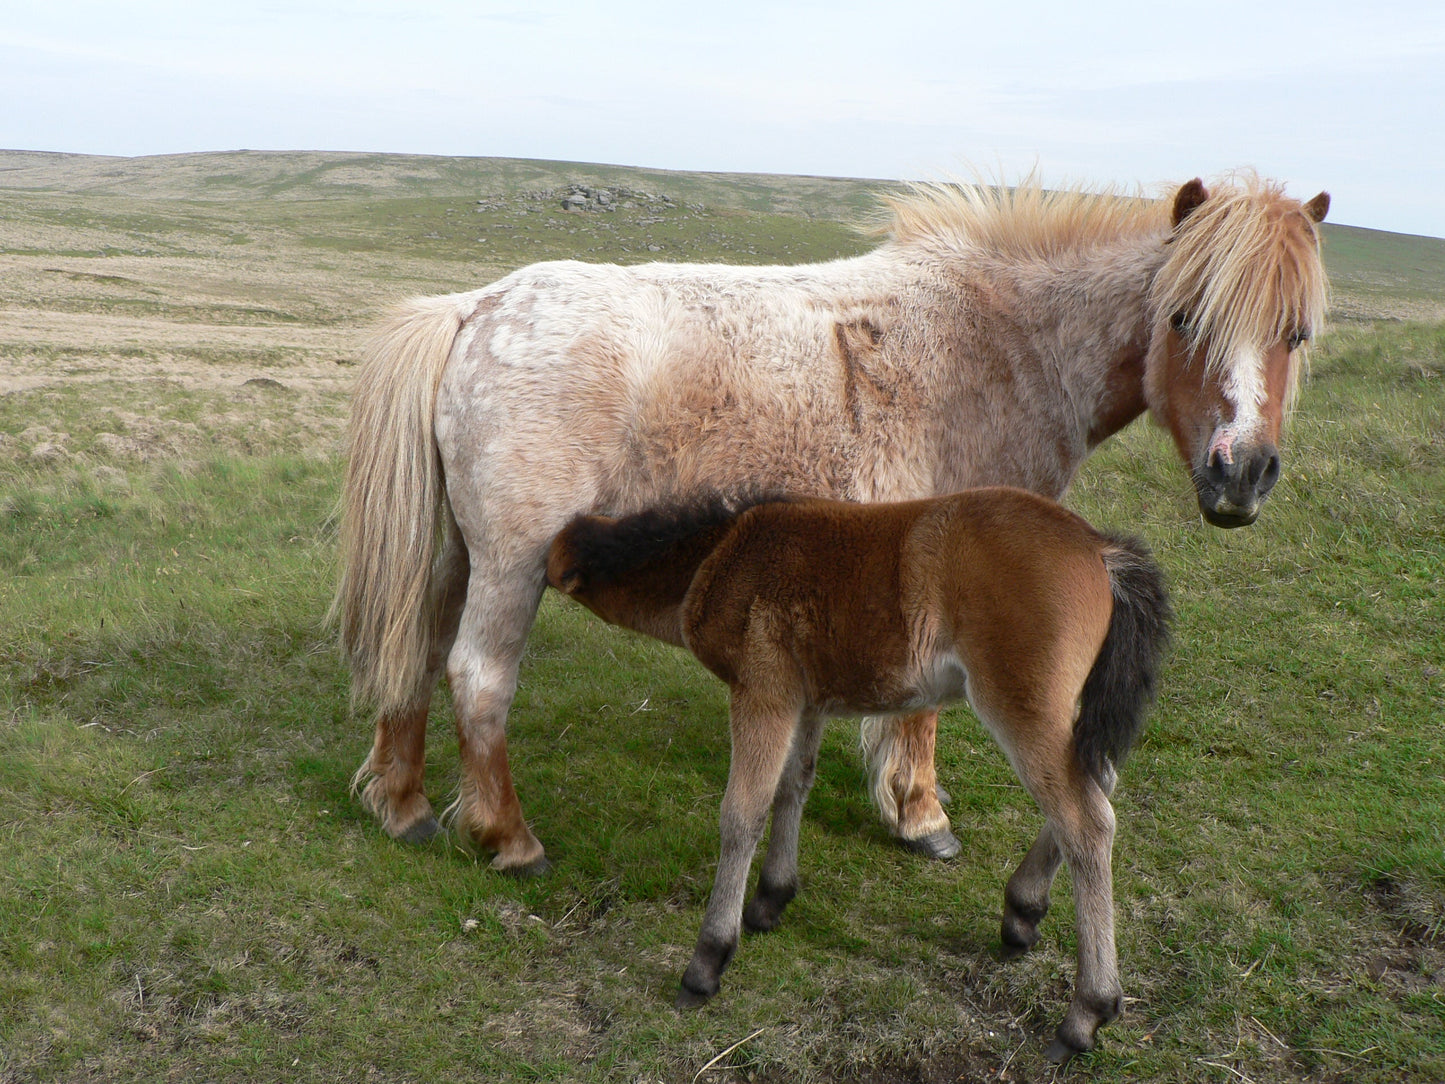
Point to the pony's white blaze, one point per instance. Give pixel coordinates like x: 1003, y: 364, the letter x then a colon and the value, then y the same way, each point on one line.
x: 1243, y: 387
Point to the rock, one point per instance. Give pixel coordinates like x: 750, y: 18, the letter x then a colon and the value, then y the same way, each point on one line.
x: 263, y: 382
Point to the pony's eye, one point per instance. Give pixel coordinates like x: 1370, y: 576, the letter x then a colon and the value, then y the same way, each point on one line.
x: 1298, y: 337
x: 1179, y: 322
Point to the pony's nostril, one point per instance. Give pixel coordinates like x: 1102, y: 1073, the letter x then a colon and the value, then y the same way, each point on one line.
x: 1268, y: 472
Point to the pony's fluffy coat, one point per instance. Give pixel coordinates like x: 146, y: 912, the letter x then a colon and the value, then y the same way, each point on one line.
x: 996, y: 338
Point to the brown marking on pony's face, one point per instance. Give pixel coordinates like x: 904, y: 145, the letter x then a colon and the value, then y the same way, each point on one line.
x: 1227, y: 428
x: 1191, y: 195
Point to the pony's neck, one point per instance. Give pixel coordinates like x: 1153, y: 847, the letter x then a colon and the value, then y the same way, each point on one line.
x: 1085, y: 317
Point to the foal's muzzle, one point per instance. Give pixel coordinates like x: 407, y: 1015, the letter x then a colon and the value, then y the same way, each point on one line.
x: 1231, y: 490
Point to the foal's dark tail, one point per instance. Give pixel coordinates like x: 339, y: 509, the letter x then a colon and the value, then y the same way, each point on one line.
x: 1121, y: 686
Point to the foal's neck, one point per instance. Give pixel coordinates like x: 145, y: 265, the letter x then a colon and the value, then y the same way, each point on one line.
x: 649, y: 598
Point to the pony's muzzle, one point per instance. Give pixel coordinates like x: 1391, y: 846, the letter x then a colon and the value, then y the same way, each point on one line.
x: 1231, y: 487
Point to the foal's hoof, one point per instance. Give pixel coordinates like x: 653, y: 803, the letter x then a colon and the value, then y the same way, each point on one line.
x: 421, y: 831
x: 944, y: 798
x: 1016, y: 938
x: 690, y: 999
x: 1060, y: 1052
x: 538, y: 867
x: 940, y: 845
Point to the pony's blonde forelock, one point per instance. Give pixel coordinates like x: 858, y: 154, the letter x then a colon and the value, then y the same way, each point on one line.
x: 1244, y: 270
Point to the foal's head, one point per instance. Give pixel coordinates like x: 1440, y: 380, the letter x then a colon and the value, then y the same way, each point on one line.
x: 1241, y: 291
x: 634, y: 571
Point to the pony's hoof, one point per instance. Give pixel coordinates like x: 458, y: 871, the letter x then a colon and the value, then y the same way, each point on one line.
x: 538, y: 867
x: 421, y: 832
x: 1015, y: 938
x: 944, y: 798
x: 940, y: 845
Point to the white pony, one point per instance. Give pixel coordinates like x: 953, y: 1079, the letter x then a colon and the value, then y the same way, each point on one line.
x: 995, y: 338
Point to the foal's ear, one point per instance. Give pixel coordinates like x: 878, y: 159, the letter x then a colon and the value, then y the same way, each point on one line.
x: 562, y: 573
x: 1318, y: 207
x: 1190, y: 195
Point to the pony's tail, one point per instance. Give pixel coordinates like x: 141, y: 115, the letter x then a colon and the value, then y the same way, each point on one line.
x: 1121, y: 686
x: 391, y: 503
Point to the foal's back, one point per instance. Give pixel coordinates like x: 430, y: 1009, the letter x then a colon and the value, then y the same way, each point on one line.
x: 882, y: 607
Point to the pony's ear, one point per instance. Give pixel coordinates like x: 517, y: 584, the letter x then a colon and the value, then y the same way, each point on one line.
x: 1190, y: 195
x: 1318, y: 207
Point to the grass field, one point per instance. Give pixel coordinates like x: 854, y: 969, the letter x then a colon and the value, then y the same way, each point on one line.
x: 188, y: 892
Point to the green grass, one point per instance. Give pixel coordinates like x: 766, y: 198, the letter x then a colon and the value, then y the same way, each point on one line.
x: 188, y: 891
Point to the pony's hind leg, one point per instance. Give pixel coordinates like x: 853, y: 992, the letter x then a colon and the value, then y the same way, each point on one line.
x: 482, y: 672
x: 391, y: 777
x: 762, y: 737
x: 900, y: 750
x: 778, y: 879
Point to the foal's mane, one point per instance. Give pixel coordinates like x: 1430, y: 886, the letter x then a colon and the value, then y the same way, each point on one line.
x: 608, y: 550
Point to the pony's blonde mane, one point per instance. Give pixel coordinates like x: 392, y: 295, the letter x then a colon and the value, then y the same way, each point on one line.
x: 1025, y: 222
x: 1244, y: 270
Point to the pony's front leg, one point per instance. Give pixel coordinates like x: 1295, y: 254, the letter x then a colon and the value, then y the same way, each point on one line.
x: 778, y: 879
x: 1026, y: 897
x: 482, y: 672
x: 900, y: 751
x: 761, y: 739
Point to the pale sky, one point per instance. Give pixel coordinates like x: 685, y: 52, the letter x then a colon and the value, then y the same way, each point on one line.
x: 1348, y: 97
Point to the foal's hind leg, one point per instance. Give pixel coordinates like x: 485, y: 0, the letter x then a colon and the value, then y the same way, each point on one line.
x: 900, y: 752
x: 482, y: 672
x: 392, y: 773
x: 762, y: 737
x: 1026, y: 897
x: 1080, y: 828
x: 778, y: 879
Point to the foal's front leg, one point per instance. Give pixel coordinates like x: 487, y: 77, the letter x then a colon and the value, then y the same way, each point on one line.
x: 1026, y: 897
x: 762, y: 736
x: 778, y: 879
